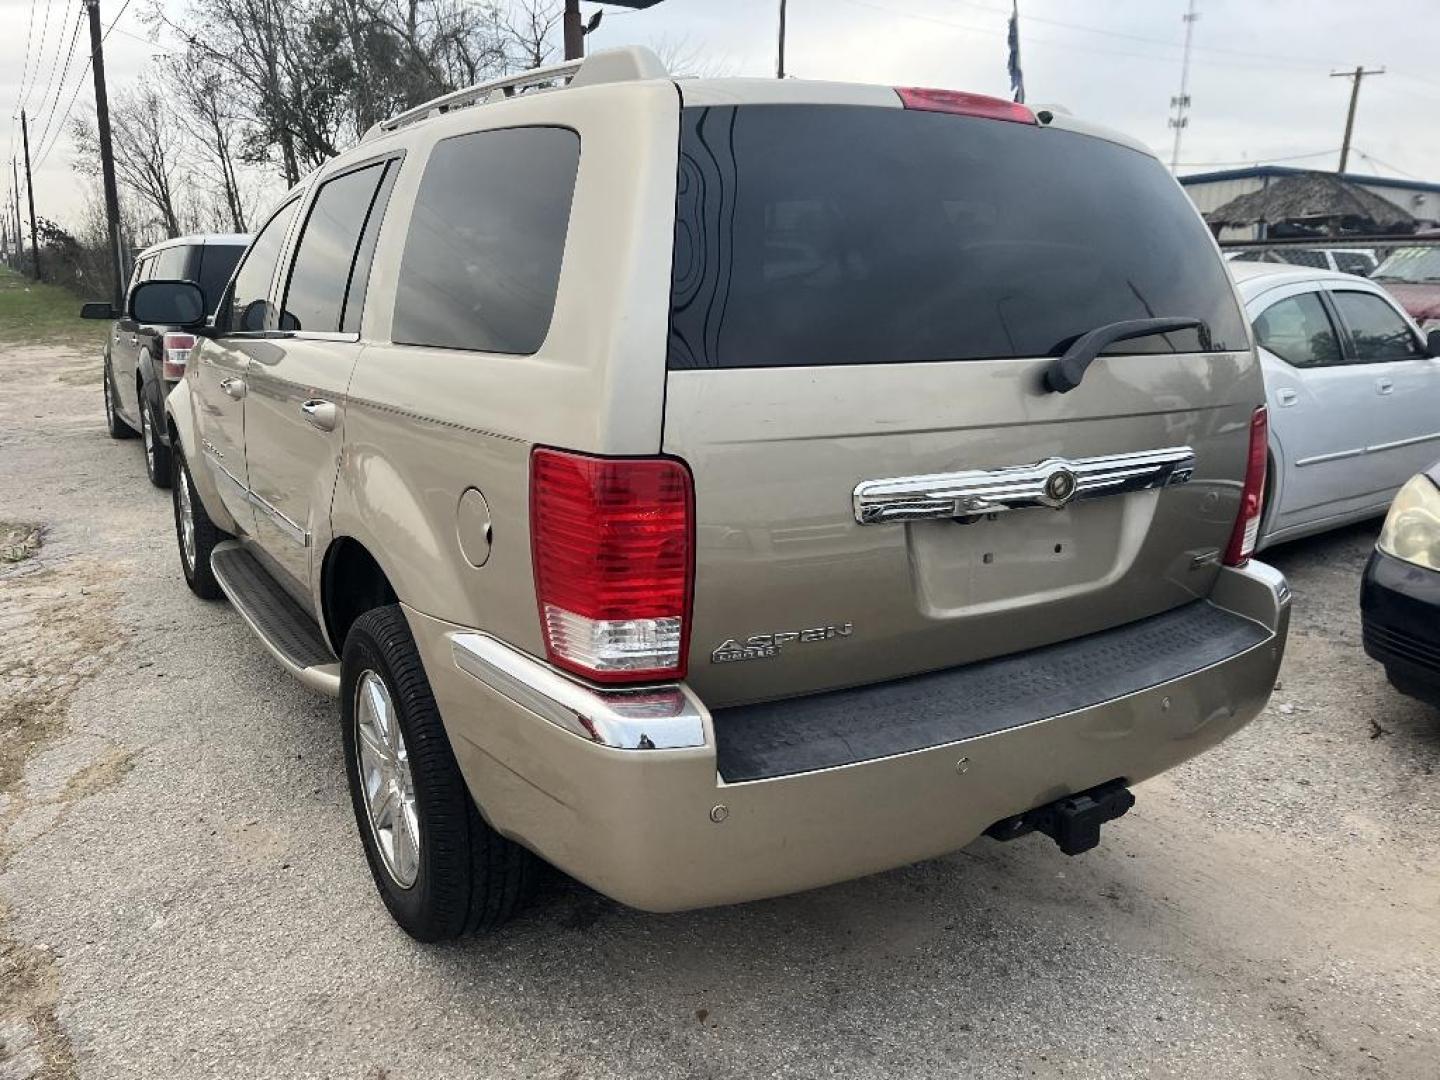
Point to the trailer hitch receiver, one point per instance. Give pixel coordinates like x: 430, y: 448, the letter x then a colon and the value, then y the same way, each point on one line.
x: 1072, y: 822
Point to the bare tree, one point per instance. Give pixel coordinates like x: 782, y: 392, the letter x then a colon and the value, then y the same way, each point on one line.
x: 212, y: 129
x: 528, y: 30
x: 147, y: 144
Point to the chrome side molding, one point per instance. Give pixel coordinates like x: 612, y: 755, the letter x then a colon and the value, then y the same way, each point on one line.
x: 1054, y: 482
x: 665, y: 717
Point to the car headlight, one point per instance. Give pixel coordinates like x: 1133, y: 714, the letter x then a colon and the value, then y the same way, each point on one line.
x: 1412, y: 528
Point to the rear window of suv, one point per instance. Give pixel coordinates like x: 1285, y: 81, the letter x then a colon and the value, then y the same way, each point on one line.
x: 812, y: 234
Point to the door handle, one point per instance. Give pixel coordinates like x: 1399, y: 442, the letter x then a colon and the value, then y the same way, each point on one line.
x: 320, y: 413
x: 1384, y: 386
x: 234, y: 387
x: 134, y: 340
x: 1286, y: 397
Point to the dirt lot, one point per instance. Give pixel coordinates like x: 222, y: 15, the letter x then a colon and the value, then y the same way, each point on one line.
x: 182, y: 894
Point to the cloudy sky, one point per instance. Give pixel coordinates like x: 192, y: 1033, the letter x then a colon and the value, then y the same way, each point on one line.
x: 1259, y: 78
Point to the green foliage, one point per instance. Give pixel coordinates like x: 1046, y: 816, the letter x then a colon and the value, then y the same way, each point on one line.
x: 33, y: 312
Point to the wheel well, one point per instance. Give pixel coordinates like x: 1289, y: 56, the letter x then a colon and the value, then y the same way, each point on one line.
x: 352, y: 583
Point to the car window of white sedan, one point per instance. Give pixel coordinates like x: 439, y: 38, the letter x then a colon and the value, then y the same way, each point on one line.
x: 1377, y: 330
x: 1299, y: 332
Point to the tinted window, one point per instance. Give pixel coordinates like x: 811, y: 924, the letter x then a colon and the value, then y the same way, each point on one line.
x: 482, y: 258
x: 325, y: 256
x: 217, y: 263
x: 1299, y: 332
x: 848, y: 235
x: 1301, y: 257
x: 1353, y: 262
x: 248, y: 308
x: 365, y: 256
x: 1377, y: 330
x: 172, y: 263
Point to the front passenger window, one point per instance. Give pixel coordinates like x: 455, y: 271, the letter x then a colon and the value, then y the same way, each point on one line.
x: 1299, y: 332
x: 249, y: 308
x: 1378, y: 331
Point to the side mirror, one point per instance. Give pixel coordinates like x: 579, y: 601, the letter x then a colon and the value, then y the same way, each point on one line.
x: 168, y: 303
x: 97, y: 309
x: 1432, y: 343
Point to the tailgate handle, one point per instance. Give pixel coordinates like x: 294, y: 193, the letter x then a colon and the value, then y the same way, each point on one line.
x: 1053, y: 483
x: 1066, y: 371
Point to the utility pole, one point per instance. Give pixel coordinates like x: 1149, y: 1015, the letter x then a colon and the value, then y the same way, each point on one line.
x: 107, y: 156
x: 15, y: 191
x: 1181, y: 102
x: 30, y: 193
x: 1358, y: 76
x: 780, y: 60
x: 574, y: 31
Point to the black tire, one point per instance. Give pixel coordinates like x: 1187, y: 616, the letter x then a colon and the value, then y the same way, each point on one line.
x: 158, y: 465
x: 195, y: 561
x: 466, y: 876
x: 117, y: 428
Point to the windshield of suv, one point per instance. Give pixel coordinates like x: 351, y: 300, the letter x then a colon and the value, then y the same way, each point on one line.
x: 1414, y: 264
x: 814, y: 234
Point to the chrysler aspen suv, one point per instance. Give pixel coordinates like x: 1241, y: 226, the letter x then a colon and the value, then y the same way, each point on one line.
x: 720, y: 488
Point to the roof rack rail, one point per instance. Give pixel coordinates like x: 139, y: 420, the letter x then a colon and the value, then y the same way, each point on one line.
x: 628, y: 64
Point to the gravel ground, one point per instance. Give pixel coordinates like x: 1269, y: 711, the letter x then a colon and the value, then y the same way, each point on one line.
x: 182, y: 893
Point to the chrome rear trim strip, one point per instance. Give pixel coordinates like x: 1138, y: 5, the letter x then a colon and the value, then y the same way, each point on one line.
x: 1053, y: 482
x: 665, y: 717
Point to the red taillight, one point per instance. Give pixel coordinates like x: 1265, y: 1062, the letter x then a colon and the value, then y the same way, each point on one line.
x: 1252, y: 495
x: 175, y: 354
x: 965, y: 104
x: 613, y: 547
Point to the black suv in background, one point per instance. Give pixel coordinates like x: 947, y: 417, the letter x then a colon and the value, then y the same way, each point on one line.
x: 142, y: 362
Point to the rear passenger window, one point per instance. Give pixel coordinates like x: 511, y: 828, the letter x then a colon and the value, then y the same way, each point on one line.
x: 1378, y: 331
x: 325, y: 256
x: 217, y: 263
x: 1299, y: 332
x: 482, y: 258
x: 171, y: 264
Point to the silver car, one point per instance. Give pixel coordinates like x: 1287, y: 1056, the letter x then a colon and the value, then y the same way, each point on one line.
x: 1354, y: 393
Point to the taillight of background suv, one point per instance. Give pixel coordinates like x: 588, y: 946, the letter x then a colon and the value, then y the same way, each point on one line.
x: 175, y: 354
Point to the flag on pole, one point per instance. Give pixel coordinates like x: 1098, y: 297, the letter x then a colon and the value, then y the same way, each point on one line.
x: 1017, y: 77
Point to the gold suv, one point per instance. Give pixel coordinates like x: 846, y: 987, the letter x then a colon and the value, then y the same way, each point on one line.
x: 723, y: 487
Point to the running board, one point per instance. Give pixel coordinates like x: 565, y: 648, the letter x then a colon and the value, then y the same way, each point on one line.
x: 282, y: 625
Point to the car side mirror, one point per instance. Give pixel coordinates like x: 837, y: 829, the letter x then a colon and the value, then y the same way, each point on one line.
x: 168, y: 303
x: 1432, y: 343
x: 97, y: 309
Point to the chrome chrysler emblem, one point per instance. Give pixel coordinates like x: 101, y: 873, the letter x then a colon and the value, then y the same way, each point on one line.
x: 1059, y: 487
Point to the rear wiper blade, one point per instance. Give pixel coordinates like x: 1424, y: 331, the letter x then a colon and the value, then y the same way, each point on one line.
x: 1066, y: 371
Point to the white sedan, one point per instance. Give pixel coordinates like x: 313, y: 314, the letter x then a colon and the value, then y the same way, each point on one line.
x: 1354, y: 393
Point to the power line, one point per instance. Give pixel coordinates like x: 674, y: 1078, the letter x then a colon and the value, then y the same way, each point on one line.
x: 1386, y: 165
x: 45, y: 151
x: 1255, y: 161
x: 24, y: 73
x: 39, y: 53
x: 59, y: 84
x: 1273, y: 58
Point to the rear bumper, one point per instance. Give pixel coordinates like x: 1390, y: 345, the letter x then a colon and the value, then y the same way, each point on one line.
x: 1400, y: 614
x: 660, y: 829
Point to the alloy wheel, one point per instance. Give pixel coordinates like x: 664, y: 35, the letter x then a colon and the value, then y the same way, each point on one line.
x: 147, y: 432
x: 187, y: 520
x: 389, y: 787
